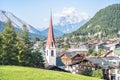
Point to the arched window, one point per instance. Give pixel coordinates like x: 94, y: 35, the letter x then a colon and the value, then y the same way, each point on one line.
x: 47, y: 52
x: 52, y: 44
x: 52, y: 53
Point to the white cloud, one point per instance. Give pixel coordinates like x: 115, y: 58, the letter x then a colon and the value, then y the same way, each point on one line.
x: 45, y: 20
x: 70, y: 15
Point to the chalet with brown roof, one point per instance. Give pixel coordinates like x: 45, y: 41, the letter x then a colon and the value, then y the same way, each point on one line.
x: 71, y: 60
x: 71, y: 57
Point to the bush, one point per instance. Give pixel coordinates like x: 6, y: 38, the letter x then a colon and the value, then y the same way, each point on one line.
x: 87, y: 72
x: 98, y: 73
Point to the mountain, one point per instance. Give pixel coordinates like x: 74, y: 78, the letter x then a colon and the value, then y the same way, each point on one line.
x: 70, y: 21
x: 69, y: 27
x: 60, y: 29
x: 17, y: 23
x: 105, y: 23
x: 57, y: 33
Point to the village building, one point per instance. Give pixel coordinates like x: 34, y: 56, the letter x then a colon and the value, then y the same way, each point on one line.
x: 71, y: 61
x: 109, y: 65
x: 75, y: 60
x: 50, y: 50
x: 52, y: 59
x: 82, y: 50
x: 109, y: 53
x: 110, y: 46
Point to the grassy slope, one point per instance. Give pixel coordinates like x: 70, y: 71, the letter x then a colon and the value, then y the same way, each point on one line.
x: 24, y: 73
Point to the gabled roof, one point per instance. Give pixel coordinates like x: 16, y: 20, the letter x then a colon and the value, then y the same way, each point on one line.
x: 78, y: 49
x: 104, y: 62
x: 70, y: 54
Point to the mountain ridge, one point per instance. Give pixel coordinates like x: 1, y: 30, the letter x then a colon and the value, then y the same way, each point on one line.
x: 104, y: 24
x: 17, y: 23
x: 69, y: 27
x: 59, y: 30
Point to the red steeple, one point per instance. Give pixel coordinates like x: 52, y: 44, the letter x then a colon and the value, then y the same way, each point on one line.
x: 50, y: 39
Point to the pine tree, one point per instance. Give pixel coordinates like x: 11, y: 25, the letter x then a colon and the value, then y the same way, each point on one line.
x: 1, y: 48
x: 37, y: 59
x: 28, y: 56
x: 9, y: 40
x: 16, y: 48
x: 24, y: 47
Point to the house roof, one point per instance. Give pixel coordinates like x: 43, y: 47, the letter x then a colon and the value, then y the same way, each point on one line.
x: 106, y: 54
x: 110, y: 45
x: 104, y: 62
x: 59, y: 62
x: 78, y: 49
x: 112, y: 58
x: 70, y: 54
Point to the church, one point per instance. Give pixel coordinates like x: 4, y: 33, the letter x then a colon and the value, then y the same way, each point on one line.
x: 52, y: 61
x: 50, y: 46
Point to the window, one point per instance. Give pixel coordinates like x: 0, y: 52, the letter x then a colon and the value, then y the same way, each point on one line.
x: 47, y: 52
x: 114, y: 62
x: 112, y: 70
x: 118, y: 71
x: 52, y: 53
x: 76, y: 70
x: 118, y: 77
x: 112, y: 77
x: 77, y: 65
x: 52, y: 44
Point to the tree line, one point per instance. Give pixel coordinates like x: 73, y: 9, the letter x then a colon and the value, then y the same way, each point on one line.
x: 16, y: 48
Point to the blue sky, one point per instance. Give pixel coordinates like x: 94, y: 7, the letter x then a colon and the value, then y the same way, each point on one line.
x: 37, y: 12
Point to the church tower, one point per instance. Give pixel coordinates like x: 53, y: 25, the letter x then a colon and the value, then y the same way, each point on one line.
x: 50, y: 46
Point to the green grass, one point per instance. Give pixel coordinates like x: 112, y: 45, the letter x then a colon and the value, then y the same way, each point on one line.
x: 25, y: 73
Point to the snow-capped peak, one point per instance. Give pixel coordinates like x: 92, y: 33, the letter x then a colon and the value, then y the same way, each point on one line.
x: 70, y: 19
x: 17, y: 23
x: 3, y: 17
x: 71, y: 16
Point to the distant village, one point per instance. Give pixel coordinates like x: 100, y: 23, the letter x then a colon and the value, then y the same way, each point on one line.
x: 94, y: 54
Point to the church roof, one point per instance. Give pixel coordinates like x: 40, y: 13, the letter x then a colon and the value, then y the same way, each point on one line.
x: 59, y: 62
x: 50, y: 39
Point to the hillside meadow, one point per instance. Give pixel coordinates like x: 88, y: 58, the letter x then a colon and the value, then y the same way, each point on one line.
x: 27, y: 73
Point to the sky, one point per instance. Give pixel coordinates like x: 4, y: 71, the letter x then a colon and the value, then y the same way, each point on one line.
x: 37, y: 12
